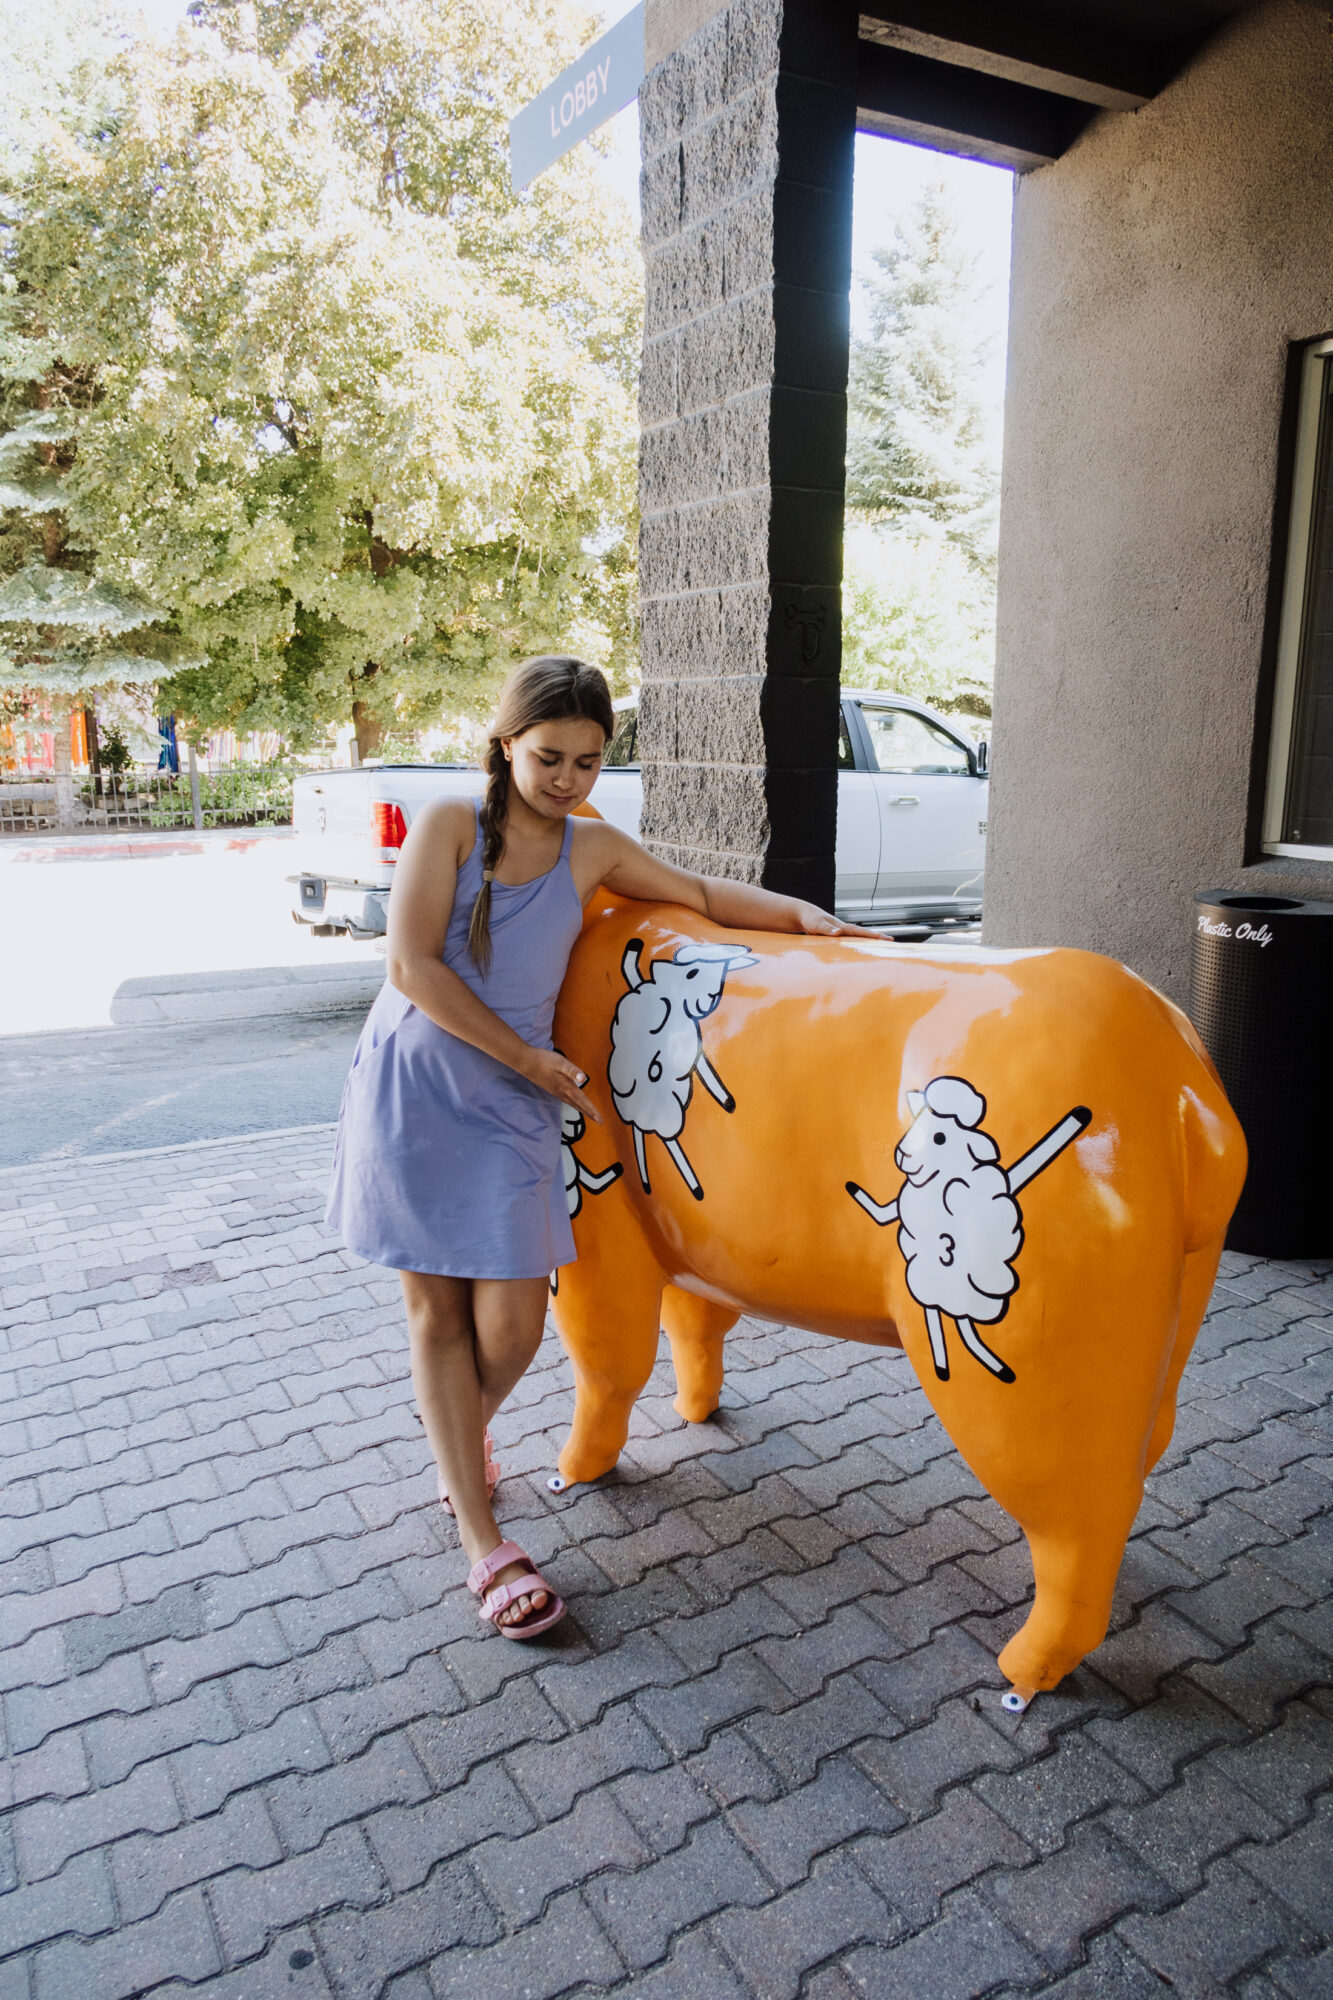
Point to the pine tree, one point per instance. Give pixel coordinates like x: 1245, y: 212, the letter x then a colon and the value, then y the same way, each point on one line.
x: 65, y: 631
x: 917, y: 445
x: 922, y: 482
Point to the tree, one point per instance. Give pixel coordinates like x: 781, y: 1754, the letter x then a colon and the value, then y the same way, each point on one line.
x: 53, y: 65
x: 64, y: 631
x: 917, y: 618
x: 918, y: 448
x: 922, y: 480
x: 357, y: 416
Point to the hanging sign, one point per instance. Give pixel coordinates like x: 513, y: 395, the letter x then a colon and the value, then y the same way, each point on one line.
x: 603, y: 80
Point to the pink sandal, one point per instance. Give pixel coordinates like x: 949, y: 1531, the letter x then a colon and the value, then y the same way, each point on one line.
x: 492, y: 1474
x: 499, y: 1596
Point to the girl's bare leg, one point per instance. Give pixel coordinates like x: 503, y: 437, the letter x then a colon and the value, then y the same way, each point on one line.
x: 509, y: 1315
x: 471, y: 1340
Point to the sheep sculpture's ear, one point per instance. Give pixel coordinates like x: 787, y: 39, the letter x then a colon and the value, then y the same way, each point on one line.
x: 916, y: 1103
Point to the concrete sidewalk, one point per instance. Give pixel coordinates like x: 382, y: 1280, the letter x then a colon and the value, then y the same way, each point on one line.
x: 258, y: 1747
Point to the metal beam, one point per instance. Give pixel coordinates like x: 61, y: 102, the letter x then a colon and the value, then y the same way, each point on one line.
x: 957, y: 110
x: 1018, y: 45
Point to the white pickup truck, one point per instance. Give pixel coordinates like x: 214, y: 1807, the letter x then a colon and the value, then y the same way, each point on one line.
x: 912, y: 792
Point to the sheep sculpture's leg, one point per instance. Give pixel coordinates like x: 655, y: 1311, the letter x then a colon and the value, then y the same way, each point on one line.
x: 696, y: 1329
x: 1075, y: 1563
x: 1062, y: 1448
x: 641, y: 1159
x: 1195, y: 1291
x: 608, y: 1314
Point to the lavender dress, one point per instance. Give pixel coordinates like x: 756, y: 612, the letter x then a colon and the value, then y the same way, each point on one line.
x: 446, y: 1160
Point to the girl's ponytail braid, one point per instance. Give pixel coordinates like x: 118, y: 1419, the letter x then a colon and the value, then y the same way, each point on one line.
x: 492, y: 816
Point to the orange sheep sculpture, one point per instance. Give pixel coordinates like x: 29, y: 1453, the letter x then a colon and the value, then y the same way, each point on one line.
x: 1019, y: 1166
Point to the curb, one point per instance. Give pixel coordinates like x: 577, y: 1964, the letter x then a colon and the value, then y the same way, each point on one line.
x: 86, y: 1160
x: 143, y: 843
x: 242, y: 996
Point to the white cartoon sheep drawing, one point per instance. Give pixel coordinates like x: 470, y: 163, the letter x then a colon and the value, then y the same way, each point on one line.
x: 573, y: 1125
x: 960, y: 1228
x: 657, y: 1050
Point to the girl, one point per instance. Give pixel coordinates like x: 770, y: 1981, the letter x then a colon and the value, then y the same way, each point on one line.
x: 447, y: 1162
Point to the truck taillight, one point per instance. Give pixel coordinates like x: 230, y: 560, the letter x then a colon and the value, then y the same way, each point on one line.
x: 390, y: 828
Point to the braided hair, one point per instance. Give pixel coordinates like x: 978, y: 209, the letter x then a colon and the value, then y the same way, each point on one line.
x: 551, y: 688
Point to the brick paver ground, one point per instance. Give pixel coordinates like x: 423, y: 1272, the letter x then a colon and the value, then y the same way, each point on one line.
x: 256, y: 1745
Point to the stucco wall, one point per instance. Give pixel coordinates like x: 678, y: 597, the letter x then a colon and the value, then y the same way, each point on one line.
x: 1161, y: 270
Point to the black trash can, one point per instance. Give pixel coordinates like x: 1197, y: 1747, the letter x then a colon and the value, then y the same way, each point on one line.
x: 1263, y: 1006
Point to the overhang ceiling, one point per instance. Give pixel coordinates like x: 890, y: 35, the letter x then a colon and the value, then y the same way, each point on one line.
x: 1015, y: 85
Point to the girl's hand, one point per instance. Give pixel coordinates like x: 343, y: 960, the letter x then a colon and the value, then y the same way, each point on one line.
x: 552, y: 1072
x: 815, y: 922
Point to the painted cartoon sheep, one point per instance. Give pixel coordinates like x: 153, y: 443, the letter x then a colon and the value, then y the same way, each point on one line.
x: 577, y: 1177
x: 657, y: 1050
x: 573, y: 1125
x: 960, y: 1227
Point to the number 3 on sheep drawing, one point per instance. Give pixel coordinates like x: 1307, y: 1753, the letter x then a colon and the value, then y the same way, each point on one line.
x: 657, y: 1049
x: 959, y: 1226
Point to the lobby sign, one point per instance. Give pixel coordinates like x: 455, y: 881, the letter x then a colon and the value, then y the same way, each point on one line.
x: 603, y: 80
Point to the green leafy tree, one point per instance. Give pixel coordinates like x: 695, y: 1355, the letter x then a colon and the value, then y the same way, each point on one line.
x: 357, y: 416
x: 917, y: 618
x: 54, y: 60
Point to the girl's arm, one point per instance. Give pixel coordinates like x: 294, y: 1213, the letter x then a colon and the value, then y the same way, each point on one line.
x: 631, y: 870
x: 425, y: 882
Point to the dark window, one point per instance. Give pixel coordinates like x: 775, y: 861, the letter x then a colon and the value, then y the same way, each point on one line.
x: 1309, y: 804
x: 1299, y: 812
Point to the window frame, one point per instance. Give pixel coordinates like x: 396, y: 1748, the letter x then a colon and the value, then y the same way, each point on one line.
x: 1296, y: 597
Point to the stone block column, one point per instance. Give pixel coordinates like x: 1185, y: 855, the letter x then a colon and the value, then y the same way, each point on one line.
x: 748, y: 121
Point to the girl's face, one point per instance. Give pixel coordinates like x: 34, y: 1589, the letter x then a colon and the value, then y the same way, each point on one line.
x: 555, y: 764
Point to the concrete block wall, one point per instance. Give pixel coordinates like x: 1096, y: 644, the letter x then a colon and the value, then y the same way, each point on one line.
x: 747, y: 118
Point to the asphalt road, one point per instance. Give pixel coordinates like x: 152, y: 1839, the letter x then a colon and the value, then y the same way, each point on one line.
x: 72, y: 1093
